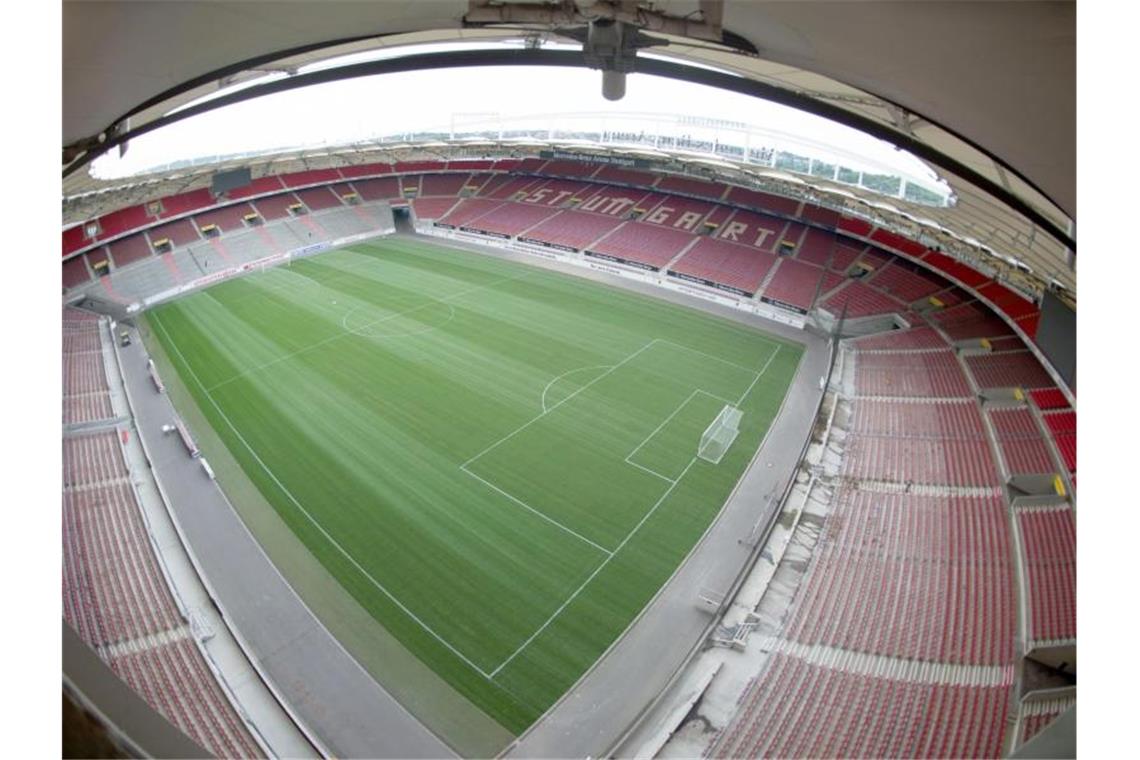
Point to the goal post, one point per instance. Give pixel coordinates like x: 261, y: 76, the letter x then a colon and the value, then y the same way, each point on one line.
x: 720, y: 434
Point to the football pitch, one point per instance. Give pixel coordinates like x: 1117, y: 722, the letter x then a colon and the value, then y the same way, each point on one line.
x: 497, y: 461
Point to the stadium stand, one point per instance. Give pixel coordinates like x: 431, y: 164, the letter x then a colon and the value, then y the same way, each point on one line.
x: 572, y: 229
x: 816, y: 247
x: 914, y: 374
x: 469, y: 209
x: 385, y: 188
x: 365, y: 170
x: 74, y: 238
x: 969, y: 277
x: 620, y: 176
x: 443, y: 184
x: 1063, y: 429
x: 970, y: 319
x: 799, y: 708
x: 918, y: 418
x: 311, y: 177
x: 318, y: 198
x: 513, y: 186
x: 1038, y: 714
x: 845, y: 254
x: 510, y: 219
x: 672, y: 183
x: 179, y: 233
x: 858, y: 300
x: 259, y: 186
x: 1010, y: 369
x: 750, y: 228
x: 794, y: 285
x: 1048, y: 541
x: 432, y: 208
x: 86, y: 397
x: 225, y: 218
x: 1049, y: 398
x: 75, y: 272
x: 275, y: 206
x: 649, y: 245
x: 184, y: 203
x: 958, y: 463
x: 890, y: 573
x: 906, y: 282
x: 561, y: 168
x: 1021, y: 442
x: 916, y: 338
x: 679, y: 213
x: 739, y: 267
x: 758, y: 201
x: 559, y: 192
x: 124, y: 220
x: 129, y: 249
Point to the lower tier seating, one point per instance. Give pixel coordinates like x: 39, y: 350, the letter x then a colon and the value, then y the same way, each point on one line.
x: 916, y: 577
x: 737, y: 266
x: 801, y: 709
x: 648, y: 244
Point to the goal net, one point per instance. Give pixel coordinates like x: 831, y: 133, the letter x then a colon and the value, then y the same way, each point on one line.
x: 720, y: 434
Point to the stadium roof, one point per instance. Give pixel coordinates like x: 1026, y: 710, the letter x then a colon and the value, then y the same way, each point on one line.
x: 984, y: 92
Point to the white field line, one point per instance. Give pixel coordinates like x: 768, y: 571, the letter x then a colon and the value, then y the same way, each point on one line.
x: 651, y: 472
x: 665, y: 422
x: 541, y: 514
x: 758, y: 374
x: 597, y: 570
x: 343, y: 333
x: 749, y: 370
x: 533, y: 420
x: 564, y: 374
x: 313, y: 520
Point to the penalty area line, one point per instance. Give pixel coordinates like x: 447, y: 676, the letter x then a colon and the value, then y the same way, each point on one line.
x: 316, y: 524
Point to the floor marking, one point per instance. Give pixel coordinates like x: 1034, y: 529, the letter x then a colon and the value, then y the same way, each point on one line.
x: 533, y: 420
x: 758, y: 374
x: 382, y: 336
x: 651, y: 472
x: 749, y: 370
x: 309, y: 516
x: 541, y: 514
x: 564, y: 374
x: 594, y: 574
x: 343, y: 333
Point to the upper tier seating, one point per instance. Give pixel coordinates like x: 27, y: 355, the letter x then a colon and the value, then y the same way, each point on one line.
x: 648, y: 244
x: 275, y: 206
x: 858, y: 300
x: 671, y: 183
x: 569, y: 168
x: 382, y: 189
x: 318, y: 198
x: 845, y: 254
x: 679, y: 213
x: 179, y: 233
x: 559, y: 193
x: 1009, y: 369
x: 226, y: 218
x: 129, y: 249
x: 754, y: 199
x: 737, y: 266
x: 907, y: 282
x: 183, y: 203
x: 443, y: 184
x: 625, y: 176
x: 259, y: 186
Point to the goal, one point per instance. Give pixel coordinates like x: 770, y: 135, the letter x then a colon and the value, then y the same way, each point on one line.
x: 720, y: 434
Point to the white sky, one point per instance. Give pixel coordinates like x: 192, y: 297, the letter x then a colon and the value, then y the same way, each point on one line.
x: 359, y: 108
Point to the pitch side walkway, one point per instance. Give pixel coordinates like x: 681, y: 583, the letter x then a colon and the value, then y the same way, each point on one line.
x: 345, y: 711
x: 594, y: 715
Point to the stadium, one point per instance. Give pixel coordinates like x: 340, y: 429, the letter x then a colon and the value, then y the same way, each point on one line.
x: 667, y: 430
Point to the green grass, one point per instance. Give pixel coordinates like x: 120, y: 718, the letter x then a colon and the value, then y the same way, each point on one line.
x: 498, y: 462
